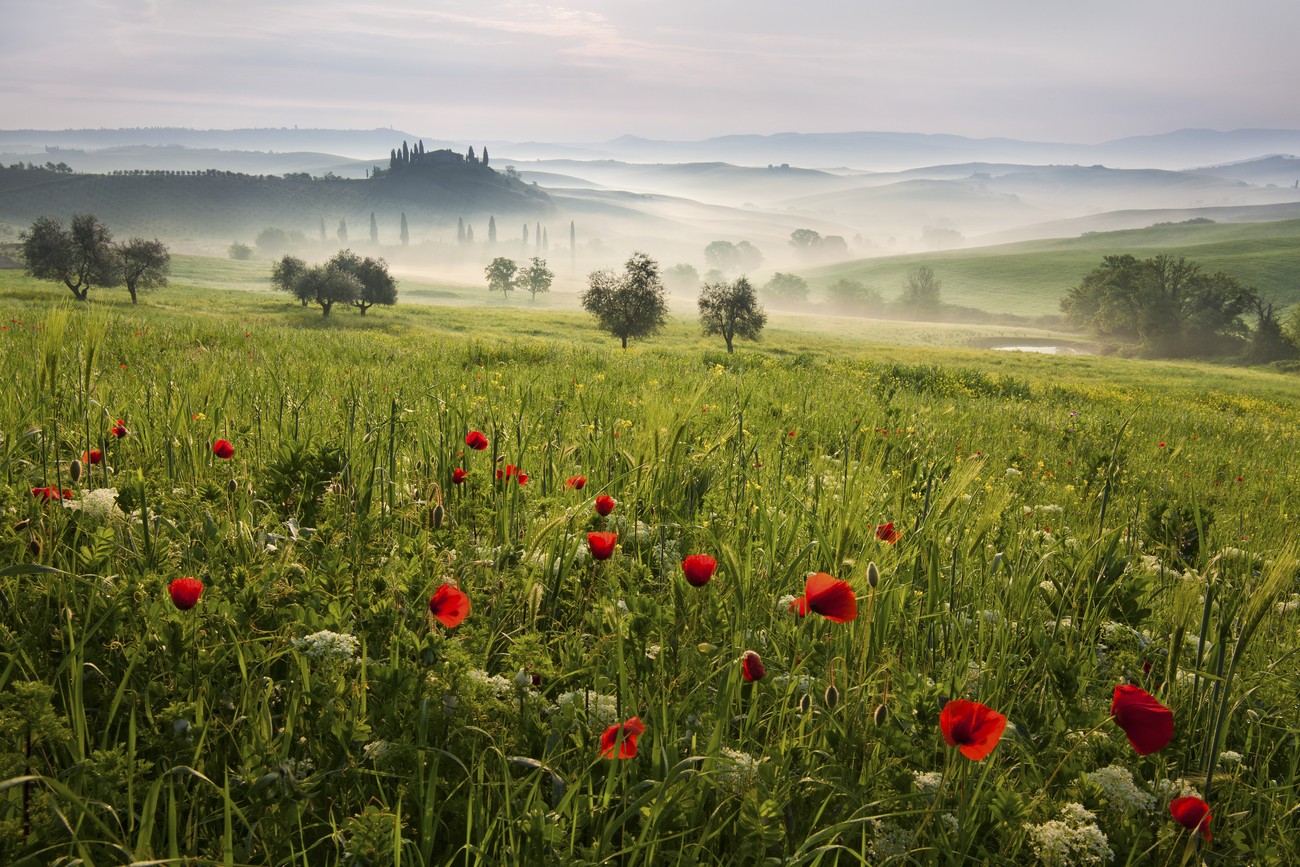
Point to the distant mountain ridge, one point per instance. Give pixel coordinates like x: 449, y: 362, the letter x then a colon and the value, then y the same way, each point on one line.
x: 863, y: 150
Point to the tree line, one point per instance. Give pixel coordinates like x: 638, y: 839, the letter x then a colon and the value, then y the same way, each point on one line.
x: 84, y: 256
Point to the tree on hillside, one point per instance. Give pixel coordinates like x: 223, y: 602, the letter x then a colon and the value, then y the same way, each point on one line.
x: 144, y: 264
x: 485, y: 156
x: 536, y: 278
x: 854, y: 297
x: 1267, y: 340
x: 805, y: 240
x: 922, y: 292
x: 404, y: 235
x: 469, y: 155
x: 285, y: 278
x: 731, y: 310
x: 460, y: 230
x: 525, y: 236
x: 377, y: 285
x: 342, y: 232
x: 492, y: 230
x: 322, y: 230
x: 501, y: 275
x: 1161, y: 306
x: 328, y: 286
x: 730, y: 258
x: 374, y: 229
x: 682, y: 277
x: 632, y: 305
x: 786, y: 288
x: 81, y: 257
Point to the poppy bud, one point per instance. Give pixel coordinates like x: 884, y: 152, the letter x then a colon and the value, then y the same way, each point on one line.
x: 436, y: 516
x: 805, y: 703
x: 831, y: 697
x: 22, y: 525
x: 34, y: 546
x: 880, y: 715
x: 873, y: 575
x: 74, y: 470
x: 232, y: 486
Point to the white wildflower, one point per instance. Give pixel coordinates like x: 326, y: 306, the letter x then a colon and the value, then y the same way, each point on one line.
x: 100, y: 504
x: 927, y: 782
x: 601, y: 710
x: 326, y: 646
x: 1121, y: 793
x: 1072, y: 839
x: 1228, y: 758
x: 498, y: 684
x: 949, y: 822
x: 737, y: 772
x: 1169, y: 789
x: 888, y: 840
x: 1012, y: 472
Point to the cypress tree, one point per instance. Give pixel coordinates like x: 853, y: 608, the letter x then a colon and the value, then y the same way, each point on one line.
x: 405, y: 235
x: 406, y: 154
x: 492, y: 230
x: 460, y: 230
x: 525, y: 234
x: 469, y: 156
x: 392, y: 159
x: 343, y: 231
x: 322, y: 228
x: 485, y: 156
x: 537, y: 237
x: 469, y: 234
x: 546, y: 240
x: 374, y: 229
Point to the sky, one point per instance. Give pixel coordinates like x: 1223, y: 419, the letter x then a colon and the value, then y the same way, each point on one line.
x: 587, y: 71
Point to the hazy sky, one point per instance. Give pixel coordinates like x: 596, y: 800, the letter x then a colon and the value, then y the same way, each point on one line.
x: 585, y: 71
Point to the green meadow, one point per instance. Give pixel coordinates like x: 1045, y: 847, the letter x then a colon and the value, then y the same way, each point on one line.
x: 1021, y: 531
x: 1029, y: 277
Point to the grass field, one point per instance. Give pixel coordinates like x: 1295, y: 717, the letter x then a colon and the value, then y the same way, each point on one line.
x: 1030, y: 277
x: 1025, y: 532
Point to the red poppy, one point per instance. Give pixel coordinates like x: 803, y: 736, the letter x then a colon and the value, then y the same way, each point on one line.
x: 751, y: 666
x: 621, y: 737
x: 1192, y: 813
x: 476, y: 440
x: 1160, y: 444
x: 829, y: 597
x: 699, y: 569
x: 1148, y: 723
x: 508, y: 472
x: 94, y: 456
x: 887, y: 534
x: 119, y: 430
x: 223, y: 449
x: 602, y: 544
x: 971, y: 727
x: 185, y: 592
x: 605, y: 504
x: 51, y: 493
x: 522, y: 478
x: 449, y: 606
x: 458, y: 476
x: 799, y: 606
x: 576, y: 482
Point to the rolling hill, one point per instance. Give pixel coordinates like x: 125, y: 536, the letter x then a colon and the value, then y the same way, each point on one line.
x: 1029, y: 278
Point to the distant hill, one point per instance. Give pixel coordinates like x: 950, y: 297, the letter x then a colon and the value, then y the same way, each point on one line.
x: 231, y: 205
x: 1279, y: 169
x: 1029, y: 278
x: 863, y: 150
x: 361, y: 144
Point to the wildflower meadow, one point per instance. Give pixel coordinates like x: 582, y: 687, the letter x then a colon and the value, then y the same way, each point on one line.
x: 296, y: 593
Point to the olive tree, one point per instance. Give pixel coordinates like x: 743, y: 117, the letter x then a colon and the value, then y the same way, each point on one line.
x: 630, y: 305
x: 731, y: 310
x: 144, y: 264
x: 81, y: 257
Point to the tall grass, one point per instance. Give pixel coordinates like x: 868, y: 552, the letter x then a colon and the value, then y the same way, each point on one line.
x: 1060, y: 534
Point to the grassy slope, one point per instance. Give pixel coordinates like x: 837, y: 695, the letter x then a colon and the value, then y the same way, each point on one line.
x: 459, y: 313
x: 1029, y: 277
